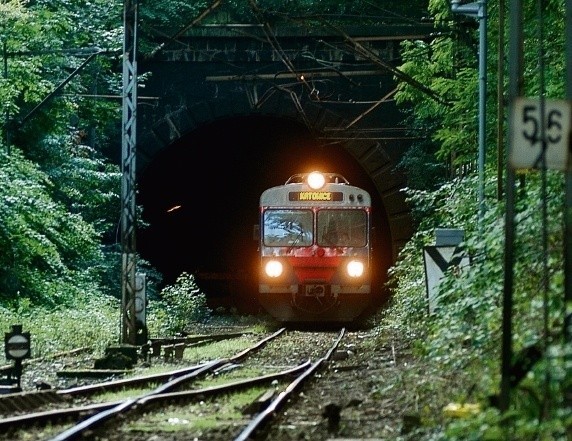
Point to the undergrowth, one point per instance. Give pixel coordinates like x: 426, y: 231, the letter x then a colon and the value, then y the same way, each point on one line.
x: 461, y: 337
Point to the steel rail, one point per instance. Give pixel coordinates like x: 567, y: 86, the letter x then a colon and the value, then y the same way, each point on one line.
x: 51, y: 415
x: 11, y: 423
x: 160, y: 377
x: 127, y: 382
x: 101, y: 417
x: 263, y: 417
x: 224, y: 387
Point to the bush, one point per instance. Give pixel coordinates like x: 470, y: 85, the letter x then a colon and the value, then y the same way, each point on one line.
x: 180, y: 305
x: 92, y: 322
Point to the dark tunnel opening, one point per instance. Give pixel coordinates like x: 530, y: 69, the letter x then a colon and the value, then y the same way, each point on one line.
x: 200, y: 202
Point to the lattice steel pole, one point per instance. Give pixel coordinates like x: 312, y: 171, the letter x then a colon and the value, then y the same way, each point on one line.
x: 128, y: 211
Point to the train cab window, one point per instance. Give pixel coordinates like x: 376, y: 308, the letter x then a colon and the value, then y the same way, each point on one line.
x: 288, y: 228
x: 344, y: 228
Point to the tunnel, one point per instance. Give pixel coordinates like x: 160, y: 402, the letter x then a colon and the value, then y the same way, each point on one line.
x: 199, y: 199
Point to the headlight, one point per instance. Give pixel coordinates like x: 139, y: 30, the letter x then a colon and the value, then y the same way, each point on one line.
x: 355, y: 268
x: 316, y: 180
x: 273, y: 268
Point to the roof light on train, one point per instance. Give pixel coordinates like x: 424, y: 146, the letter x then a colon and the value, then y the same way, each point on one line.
x: 273, y: 268
x: 316, y: 180
x: 355, y: 268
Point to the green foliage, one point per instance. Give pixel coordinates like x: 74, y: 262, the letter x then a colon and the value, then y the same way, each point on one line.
x: 491, y: 425
x: 448, y: 65
x: 161, y: 20
x: 374, y: 11
x: 420, y: 163
x: 48, y: 252
x: 180, y: 305
x: 60, y: 195
x: 86, y: 183
x: 463, y: 334
x: 173, y: 15
x: 91, y: 322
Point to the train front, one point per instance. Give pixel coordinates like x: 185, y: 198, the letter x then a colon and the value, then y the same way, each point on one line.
x: 315, y: 249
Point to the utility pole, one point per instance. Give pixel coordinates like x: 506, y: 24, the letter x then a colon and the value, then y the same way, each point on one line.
x: 516, y: 63
x: 128, y: 153
x: 568, y: 195
x: 478, y: 10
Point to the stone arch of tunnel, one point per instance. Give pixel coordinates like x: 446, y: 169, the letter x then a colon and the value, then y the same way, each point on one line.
x: 199, y: 195
x: 249, y: 106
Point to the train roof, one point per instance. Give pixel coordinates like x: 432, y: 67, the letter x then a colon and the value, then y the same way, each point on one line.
x: 331, y: 178
x: 336, y: 191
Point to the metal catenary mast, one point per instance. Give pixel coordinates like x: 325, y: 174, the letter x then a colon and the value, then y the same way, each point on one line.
x: 128, y: 144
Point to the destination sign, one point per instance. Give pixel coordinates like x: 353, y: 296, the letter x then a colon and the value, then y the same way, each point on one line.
x: 320, y: 196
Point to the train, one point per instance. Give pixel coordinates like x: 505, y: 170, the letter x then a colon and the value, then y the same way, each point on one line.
x: 315, y: 249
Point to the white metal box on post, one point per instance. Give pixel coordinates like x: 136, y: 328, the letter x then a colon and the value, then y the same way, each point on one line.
x: 448, y: 237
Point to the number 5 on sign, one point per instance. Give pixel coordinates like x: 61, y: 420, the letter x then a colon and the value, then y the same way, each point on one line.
x: 526, y: 139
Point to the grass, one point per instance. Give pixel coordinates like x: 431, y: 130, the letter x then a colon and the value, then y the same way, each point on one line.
x: 91, y: 323
x: 199, y: 417
x: 124, y: 394
x: 233, y: 376
x: 220, y: 349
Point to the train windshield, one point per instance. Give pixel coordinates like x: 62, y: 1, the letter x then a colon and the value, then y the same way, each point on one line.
x: 335, y: 228
x: 345, y: 228
x: 283, y: 228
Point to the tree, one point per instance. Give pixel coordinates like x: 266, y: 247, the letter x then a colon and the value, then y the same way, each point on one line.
x: 47, y: 253
x: 448, y: 65
x: 464, y: 331
x: 59, y: 192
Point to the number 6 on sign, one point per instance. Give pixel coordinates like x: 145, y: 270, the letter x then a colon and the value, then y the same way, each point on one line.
x: 526, y: 136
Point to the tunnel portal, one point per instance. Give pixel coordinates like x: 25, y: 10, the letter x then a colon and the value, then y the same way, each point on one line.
x: 228, y: 112
x: 200, y: 200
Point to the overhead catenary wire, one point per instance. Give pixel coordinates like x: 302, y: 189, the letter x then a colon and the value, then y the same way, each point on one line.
x: 189, y: 25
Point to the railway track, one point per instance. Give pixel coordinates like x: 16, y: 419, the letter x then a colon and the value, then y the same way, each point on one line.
x: 60, y: 404
x: 262, y: 378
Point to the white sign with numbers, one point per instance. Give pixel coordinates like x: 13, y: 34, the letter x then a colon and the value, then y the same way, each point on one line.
x: 526, y: 139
